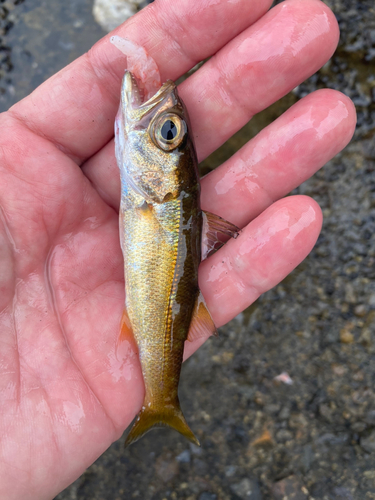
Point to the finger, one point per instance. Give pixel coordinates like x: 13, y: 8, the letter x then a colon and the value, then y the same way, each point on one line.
x: 265, y: 252
x: 76, y: 107
x: 286, y: 46
x: 280, y: 157
x: 237, y: 83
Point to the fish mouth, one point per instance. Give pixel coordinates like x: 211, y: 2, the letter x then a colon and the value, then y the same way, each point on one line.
x: 131, y: 101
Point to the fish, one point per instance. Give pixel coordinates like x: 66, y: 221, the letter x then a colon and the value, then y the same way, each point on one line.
x: 164, y: 235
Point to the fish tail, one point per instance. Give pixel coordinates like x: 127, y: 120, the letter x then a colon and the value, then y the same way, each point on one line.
x: 165, y: 417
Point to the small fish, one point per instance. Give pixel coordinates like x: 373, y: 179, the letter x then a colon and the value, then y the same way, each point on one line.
x: 161, y: 228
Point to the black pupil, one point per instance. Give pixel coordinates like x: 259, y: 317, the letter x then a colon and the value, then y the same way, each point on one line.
x: 168, y: 130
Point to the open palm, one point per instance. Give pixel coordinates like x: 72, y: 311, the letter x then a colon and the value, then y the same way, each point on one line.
x: 67, y: 387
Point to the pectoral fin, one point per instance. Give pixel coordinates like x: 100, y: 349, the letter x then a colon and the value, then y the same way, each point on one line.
x: 202, y: 324
x: 214, y: 227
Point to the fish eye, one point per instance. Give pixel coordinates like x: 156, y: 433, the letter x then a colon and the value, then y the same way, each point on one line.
x: 169, y: 131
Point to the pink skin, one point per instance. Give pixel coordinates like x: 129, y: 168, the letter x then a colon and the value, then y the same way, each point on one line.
x: 67, y: 387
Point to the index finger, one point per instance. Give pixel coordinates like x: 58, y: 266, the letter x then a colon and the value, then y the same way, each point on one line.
x: 75, y: 108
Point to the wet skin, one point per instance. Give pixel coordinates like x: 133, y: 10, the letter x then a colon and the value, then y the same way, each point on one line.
x: 66, y: 391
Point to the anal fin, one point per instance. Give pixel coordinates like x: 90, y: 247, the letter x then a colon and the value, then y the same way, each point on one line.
x: 126, y: 331
x: 214, y: 227
x: 202, y: 324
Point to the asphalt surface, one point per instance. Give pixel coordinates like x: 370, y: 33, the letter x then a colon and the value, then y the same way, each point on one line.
x: 261, y: 439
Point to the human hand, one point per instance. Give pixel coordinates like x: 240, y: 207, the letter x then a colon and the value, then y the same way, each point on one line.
x: 67, y: 389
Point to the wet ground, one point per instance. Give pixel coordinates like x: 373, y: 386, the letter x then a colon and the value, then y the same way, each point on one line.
x: 261, y: 439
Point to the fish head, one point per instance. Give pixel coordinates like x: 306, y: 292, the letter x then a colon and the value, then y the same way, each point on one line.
x: 154, y: 149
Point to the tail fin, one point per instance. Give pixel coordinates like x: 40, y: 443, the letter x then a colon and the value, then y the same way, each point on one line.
x: 151, y: 417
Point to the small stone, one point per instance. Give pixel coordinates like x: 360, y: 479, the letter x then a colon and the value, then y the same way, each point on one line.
x: 358, y: 427
x: 206, y: 495
x: 326, y: 412
x: 344, y: 307
x: 332, y: 439
x: 342, y: 494
x: 166, y: 470
x: 285, y: 413
x: 247, y: 489
x: 8, y: 5
x: 359, y: 376
x: 365, y: 337
x: 346, y: 337
x: 362, y: 100
x: 303, y: 334
x: 230, y: 470
x: 284, y: 378
x: 360, y: 310
x: 339, y: 370
x: 196, y: 450
x: 319, y: 489
x: 200, y: 467
x: 263, y: 441
x: 371, y: 300
x: 227, y: 357
x: 184, y: 457
x: 307, y: 458
x: 368, y: 442
x: 272, y: 408
x: 289, y: 489
x: 350, y: 295
x: 111, y: 13
x: 283, y: 435
x: 259, y: 399
x: 370, y: 417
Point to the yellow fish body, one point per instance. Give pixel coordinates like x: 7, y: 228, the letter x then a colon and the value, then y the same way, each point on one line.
x: 161, y: 236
